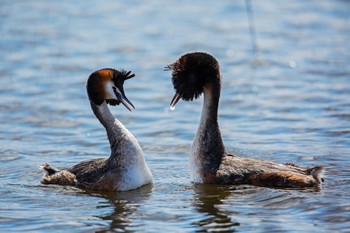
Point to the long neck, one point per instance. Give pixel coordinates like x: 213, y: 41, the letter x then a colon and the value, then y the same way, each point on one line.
x: 208, y: 148
x: 116, y: 131
x: 126, y: 162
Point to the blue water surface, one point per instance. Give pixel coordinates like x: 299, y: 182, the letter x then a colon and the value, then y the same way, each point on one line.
x: 287, y: 102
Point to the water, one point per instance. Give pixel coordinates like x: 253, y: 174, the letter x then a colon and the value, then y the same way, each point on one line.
x: 289, y: 103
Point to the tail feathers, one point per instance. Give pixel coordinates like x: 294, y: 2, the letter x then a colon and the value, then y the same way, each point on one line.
x: 48, y: 169
x: 56, y: 176
x: 317, y: 173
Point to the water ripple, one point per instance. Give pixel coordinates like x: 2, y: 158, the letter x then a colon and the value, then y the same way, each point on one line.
x: 289, y: 103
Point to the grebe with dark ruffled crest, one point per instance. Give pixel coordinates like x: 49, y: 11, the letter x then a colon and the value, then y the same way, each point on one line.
x: 197, y: 73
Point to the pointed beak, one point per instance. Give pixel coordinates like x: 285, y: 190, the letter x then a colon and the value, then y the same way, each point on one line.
x: 175, y: 99
x: 119, y: 93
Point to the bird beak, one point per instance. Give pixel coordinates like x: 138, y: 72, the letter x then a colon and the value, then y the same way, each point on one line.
x: 119, y: 93
x: 176, y: 98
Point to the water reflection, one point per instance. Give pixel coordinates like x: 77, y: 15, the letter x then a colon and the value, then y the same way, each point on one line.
x: 125, y: 204
x: 207, y: 199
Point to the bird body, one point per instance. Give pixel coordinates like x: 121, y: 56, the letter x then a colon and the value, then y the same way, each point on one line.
x: 126, y: 168
x: 197, y: 73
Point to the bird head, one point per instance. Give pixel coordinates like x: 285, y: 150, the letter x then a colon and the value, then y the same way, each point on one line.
x: 108, y: 85
x: 190, y: 73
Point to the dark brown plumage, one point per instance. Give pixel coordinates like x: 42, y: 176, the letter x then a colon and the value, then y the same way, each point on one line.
x: 197, y: 73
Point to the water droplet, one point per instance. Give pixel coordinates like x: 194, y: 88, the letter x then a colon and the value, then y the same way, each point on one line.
x: 292, y: 64
x: 172, y: 107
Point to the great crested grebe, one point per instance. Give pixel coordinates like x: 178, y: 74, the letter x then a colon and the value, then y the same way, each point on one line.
x: 197, y: 73
x: 126, y: 168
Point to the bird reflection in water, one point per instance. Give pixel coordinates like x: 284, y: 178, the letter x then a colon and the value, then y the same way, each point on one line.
x: 125, y: 205
x: 207, y: 199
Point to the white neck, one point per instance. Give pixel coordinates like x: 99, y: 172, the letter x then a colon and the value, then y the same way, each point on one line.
x: 126, y: 153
